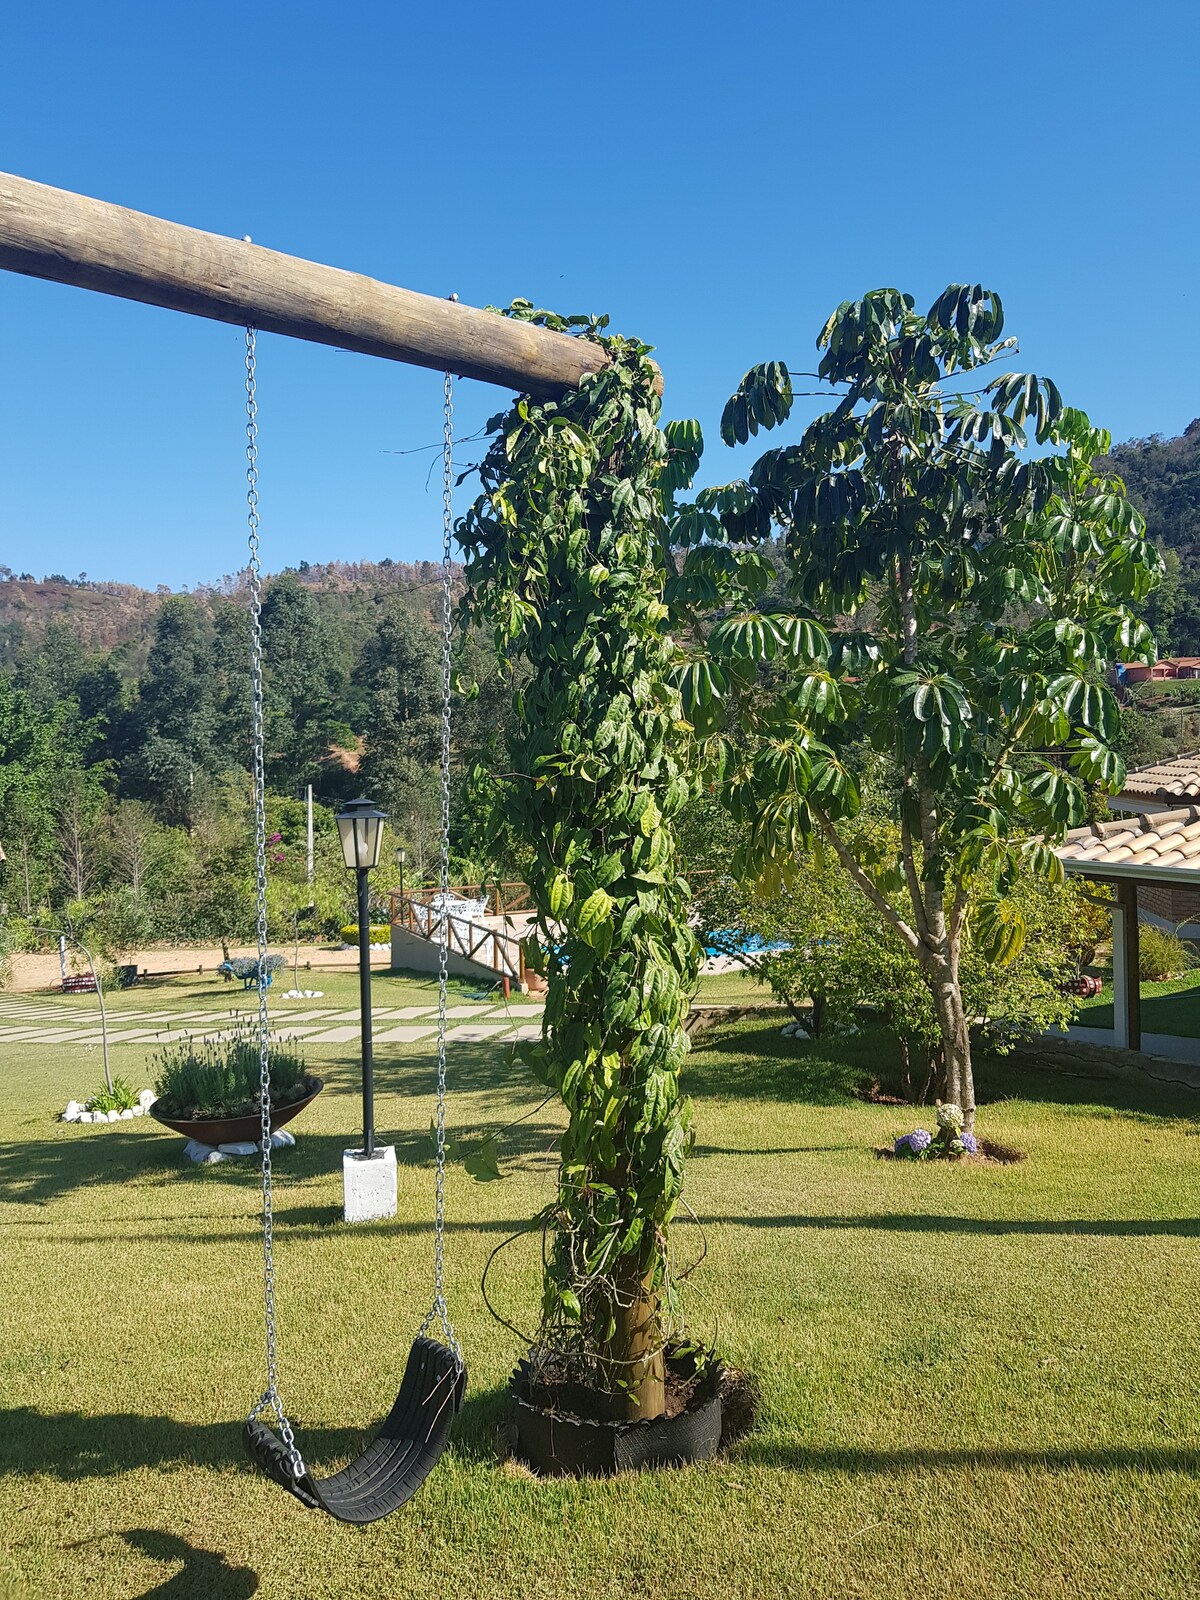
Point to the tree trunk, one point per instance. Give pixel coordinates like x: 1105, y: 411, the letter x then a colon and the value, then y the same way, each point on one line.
x: 635, y: 1362
x: 956, y: 1043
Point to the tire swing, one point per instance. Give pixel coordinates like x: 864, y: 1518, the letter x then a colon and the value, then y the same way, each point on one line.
x: 411, y: 1439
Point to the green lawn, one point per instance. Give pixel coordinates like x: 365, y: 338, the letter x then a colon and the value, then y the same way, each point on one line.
x: 1166, y: 1007
x: 976, y: 1381
x: 733, y: 988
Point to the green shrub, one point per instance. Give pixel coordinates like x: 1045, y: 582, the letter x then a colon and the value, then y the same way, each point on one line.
x: 121, y: 1097
x: 220, y: 1077
x: 1160, y: 954
x: 380, y: 932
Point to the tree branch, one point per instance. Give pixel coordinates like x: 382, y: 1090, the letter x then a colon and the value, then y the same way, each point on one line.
x: 910, y: 874
x: 867, y: 884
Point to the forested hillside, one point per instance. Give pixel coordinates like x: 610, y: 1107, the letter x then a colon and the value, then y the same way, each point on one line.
x: 1163, y: 479
x: 124, y: 743
x: 124, y: 727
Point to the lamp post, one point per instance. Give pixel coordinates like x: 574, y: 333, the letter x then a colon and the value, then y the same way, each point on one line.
x: 360, y: 824
x: 401, y: 858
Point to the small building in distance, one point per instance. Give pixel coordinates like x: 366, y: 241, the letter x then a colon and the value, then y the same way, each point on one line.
x: 1170, y: 670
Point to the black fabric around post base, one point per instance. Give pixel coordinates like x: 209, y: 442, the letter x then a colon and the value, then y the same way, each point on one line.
x: 402, y: 1454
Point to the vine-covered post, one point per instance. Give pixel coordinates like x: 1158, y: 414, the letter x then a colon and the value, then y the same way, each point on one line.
x: 567, y: 561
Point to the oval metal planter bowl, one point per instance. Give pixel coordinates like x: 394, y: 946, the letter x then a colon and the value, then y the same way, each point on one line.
x: 558, y: 1443
x: 235, y: 1130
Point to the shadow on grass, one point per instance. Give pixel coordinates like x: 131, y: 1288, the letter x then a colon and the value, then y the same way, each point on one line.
x: 1086, y: 1083
x: 1120, y: 1458
x: 41, y: 1170
x: 204, y: 1572
x: 753, y: 1060
x: 920, y: 1222
x: 306, y: 1222
x: 772, y: 1150
x: 69, y: 1445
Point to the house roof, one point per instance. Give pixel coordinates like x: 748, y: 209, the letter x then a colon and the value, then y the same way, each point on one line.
x: 1177, y: 780
x: 1163, y: 848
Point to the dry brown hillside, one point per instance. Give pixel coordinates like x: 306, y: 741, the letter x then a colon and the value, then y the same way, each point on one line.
x: 104, y: 615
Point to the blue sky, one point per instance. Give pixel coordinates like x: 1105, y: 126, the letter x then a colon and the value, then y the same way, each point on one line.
x: 716, y: 177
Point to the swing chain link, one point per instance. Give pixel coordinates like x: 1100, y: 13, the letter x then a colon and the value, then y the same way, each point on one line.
x: 270, y: 1396
x: 439, y: 1308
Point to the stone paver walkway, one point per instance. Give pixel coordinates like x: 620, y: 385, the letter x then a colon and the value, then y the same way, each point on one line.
x: 28, y: 1020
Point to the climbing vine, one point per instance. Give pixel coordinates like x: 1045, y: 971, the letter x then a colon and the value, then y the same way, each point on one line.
x: 567, y: 561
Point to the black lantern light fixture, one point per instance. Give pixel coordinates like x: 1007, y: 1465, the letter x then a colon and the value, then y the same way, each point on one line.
x: 360, y: 825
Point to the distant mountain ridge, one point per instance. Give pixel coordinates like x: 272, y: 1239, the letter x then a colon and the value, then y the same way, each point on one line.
x: 1163, y: 479
x: 104, y: 615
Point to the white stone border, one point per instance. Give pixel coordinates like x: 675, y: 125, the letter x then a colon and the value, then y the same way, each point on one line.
x: 75, y: 1112
x: 206, y: 1156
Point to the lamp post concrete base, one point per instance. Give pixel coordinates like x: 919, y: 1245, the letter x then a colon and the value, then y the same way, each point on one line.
x: 369, y: 1184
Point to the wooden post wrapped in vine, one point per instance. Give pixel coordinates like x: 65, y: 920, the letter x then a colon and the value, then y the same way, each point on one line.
x: 566, y: 560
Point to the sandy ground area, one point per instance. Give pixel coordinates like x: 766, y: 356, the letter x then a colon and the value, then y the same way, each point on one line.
x: 33, y: 972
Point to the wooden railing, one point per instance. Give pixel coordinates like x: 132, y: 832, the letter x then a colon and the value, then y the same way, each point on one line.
x: 497, y: 948
x: 500, y: 899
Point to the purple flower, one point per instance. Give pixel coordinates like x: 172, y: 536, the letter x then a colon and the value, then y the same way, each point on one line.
x: 912, y: 1144
x: 969, y: 1143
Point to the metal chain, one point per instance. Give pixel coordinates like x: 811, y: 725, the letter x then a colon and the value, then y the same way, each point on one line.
x: 270, y: 1396
x: 439, y: 1307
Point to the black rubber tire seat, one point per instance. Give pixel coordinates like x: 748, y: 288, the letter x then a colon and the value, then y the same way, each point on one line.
x: 399, y: 1458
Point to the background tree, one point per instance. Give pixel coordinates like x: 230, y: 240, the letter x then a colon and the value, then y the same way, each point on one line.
x: 954, y: 601
x: 1163, y: 479
x: 299, y: 683
x: 27, y: 761
x: 78, y: 818
x: 174, y: 720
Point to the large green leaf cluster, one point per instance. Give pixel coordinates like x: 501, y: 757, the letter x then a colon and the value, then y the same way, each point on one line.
x: 962, y: 573
x: 567, y: 563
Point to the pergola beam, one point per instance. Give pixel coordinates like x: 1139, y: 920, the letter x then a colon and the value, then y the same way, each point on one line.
x: 69, y: 238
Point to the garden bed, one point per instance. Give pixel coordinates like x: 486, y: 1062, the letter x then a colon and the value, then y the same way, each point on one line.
x: 559, y: 1431
x: 989, y: 1154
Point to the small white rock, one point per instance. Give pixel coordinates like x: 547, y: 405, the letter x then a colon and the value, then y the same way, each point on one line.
x: 137, y: 1111
x: 84, y: 1116
x: 240, y: 1147
x: 126, y: 1114
x: 213, y: 1157
x: 146, y: 1098
x: 281, y: 1139
x: 73, y: 1112
x: 114, y: 1116
x: 195, y: 1151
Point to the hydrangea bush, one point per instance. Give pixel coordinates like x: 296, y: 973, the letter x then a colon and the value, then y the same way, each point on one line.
x: 950, y: 1143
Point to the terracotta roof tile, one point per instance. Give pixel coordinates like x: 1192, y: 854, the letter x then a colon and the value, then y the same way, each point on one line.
x: 1169, y: 780
x: 1168, y: 841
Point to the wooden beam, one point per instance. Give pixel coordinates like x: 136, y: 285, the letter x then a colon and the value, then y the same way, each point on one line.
x: 69, y: 238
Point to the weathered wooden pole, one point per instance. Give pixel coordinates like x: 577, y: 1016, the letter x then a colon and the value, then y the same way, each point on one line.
x: 69, y: 238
